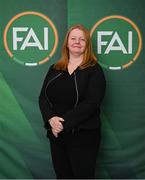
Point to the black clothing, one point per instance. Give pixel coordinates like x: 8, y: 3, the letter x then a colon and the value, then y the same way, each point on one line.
x: 77, y: 99
x: 89, y: 91
x: 62, y: 93
x: 74, y: 155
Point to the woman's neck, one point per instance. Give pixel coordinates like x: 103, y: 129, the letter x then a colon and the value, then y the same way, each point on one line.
x: 75, y: 59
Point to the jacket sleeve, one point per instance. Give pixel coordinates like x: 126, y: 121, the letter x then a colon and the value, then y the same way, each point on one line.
x: 85, y: 109
x: 44, y: 105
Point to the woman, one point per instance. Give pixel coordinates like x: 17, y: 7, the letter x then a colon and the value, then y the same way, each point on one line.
x: 70, y: 102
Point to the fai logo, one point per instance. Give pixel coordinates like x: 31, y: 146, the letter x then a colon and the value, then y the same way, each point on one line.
x: 30, y: 38
x: 117, y: 42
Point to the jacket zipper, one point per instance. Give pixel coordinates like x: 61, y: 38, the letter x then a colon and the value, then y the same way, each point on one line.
x: 77, y: 92
x: 76, y: 89
x: 48, y: 85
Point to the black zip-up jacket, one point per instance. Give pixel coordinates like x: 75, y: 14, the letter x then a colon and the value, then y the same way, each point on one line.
x: 90, y: 89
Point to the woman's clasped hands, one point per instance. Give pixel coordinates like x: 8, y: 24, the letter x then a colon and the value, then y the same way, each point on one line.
x: 56, y: 124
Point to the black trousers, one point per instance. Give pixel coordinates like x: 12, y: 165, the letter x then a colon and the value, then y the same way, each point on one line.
x: 74, y: 154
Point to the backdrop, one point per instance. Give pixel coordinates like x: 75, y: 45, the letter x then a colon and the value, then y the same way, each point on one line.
x: 31, y: 34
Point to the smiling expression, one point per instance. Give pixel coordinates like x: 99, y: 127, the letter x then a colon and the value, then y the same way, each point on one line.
x: 76, y: 42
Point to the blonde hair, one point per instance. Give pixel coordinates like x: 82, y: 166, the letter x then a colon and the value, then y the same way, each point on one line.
x: 89, y: 58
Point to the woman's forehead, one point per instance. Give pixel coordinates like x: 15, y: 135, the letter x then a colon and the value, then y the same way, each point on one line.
x: 77, y: 32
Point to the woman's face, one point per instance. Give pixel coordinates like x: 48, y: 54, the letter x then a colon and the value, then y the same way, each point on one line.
x: 76, y: 42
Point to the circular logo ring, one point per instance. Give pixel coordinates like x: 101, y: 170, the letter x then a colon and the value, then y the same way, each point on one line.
x: 133, y: 25
x: 37, y: 14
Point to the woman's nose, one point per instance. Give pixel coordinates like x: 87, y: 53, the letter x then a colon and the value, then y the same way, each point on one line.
x: 77, y: 41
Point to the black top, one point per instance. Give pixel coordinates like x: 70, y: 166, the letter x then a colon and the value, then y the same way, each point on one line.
x: 61, y: 93
x: 80, y: 95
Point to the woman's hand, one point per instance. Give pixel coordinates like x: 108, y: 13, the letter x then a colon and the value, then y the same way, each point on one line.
x: 55, y: 133
x: 56, y: 124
